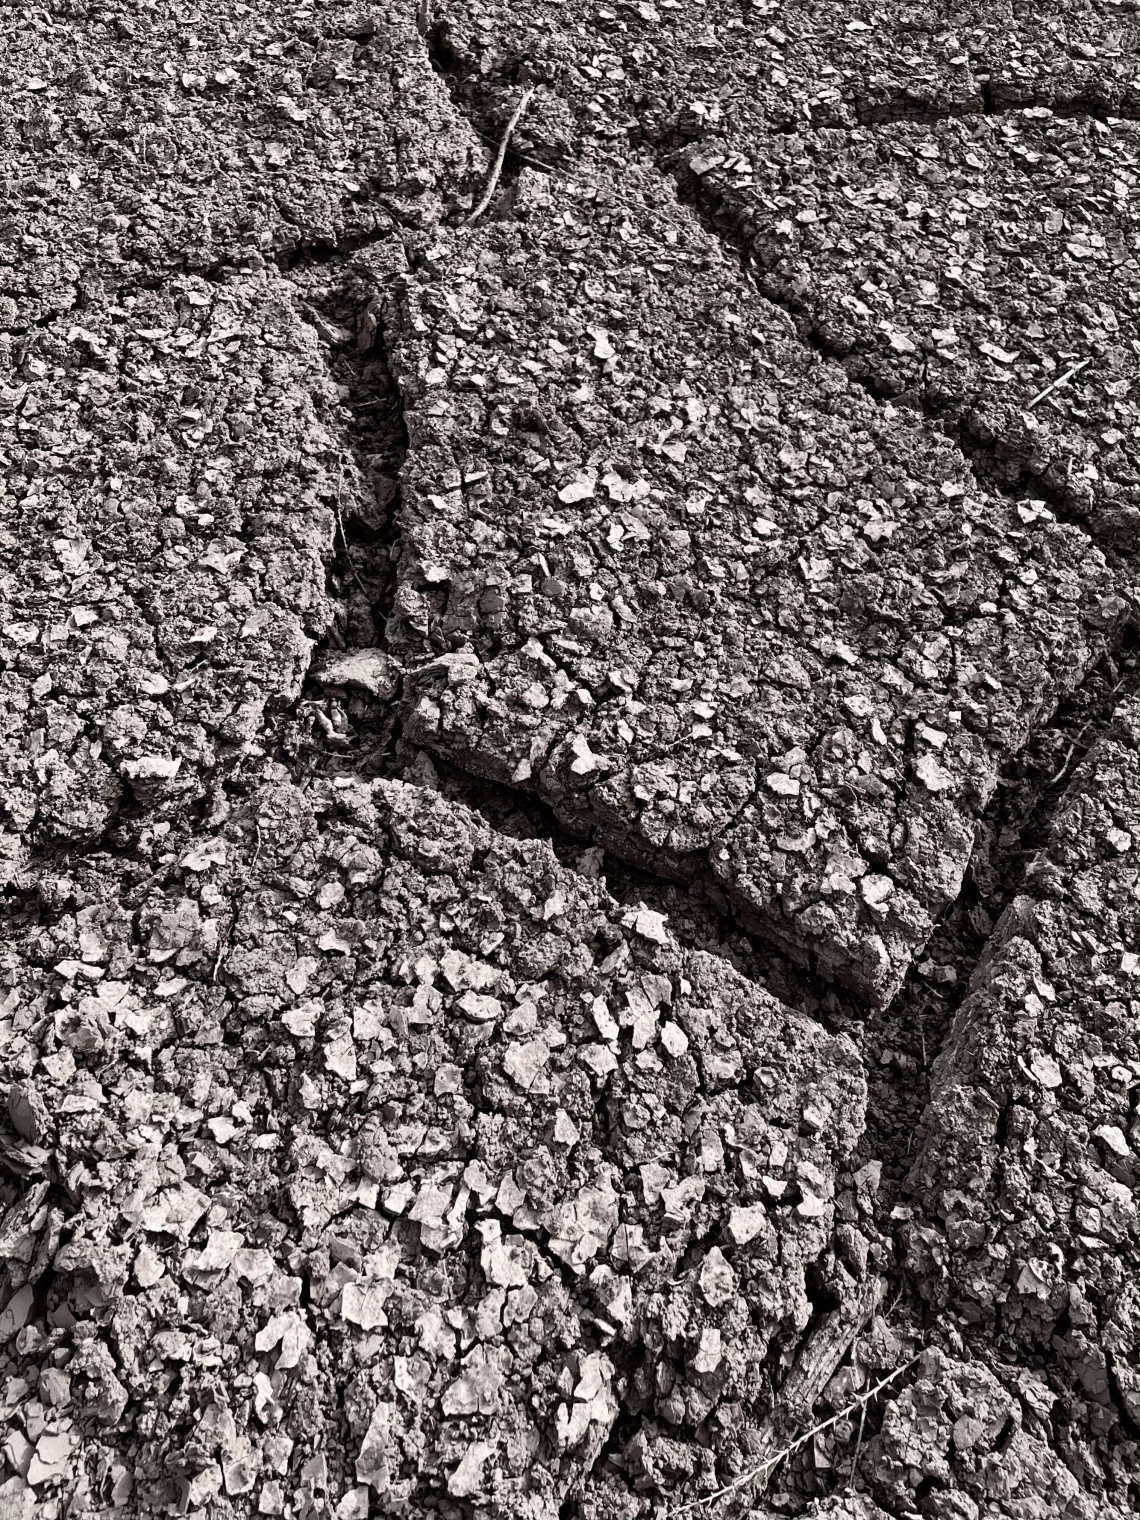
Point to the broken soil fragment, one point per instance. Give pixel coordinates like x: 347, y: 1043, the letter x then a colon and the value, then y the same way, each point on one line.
x: 182, y: 582
x: 744, y: 624
x: 381, y: 1091
x: 1029, y: 1161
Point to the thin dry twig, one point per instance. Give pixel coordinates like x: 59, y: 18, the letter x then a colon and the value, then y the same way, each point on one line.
x: 344, y: 535
x: 1052, y: 781
x: 538, y: 163
x: 1060, y: 380
x: 765, y: 1468
x: 1083, y: 731
x: 858, y: 1448
x: 500, y: 157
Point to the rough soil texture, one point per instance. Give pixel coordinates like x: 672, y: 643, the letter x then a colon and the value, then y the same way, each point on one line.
x: 467, y: 1143
x: 568, y: 787
x: 1027, y: 1160
x: 741, y: 622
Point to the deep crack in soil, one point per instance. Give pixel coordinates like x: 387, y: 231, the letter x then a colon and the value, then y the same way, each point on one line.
x: 899, y: 1043
x: 995, y: 462
x: 345, y: 721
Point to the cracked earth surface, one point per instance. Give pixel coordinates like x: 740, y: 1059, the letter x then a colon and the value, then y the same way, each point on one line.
x: 568, y: 826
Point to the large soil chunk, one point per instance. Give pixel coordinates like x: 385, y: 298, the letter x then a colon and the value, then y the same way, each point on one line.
x: 415, y: 1155
x: 981, y: 266
x: 1029, y: 1163
x: 686, y: 69
x: 960, y: 1442
x: 143, y: 140
x: 943, y: 200
x: 171, y: 465
x: 668, y: 568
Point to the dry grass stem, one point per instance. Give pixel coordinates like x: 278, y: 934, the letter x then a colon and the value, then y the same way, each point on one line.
x: 765, y: 1468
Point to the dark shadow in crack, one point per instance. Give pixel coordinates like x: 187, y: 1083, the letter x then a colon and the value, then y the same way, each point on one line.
x: 899, y: 1043
x: 345, y: 720
x: 1000, y: 100
x: 1002, y: 463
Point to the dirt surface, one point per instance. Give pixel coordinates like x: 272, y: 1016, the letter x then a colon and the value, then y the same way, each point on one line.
x: 1026, y: 1160
x: 744, y: 624
x: 571, y: 714
x: 440, y: 1106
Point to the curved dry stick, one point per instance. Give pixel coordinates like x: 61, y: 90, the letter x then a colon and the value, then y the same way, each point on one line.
x: 765, y: 1468
x: 500, y: 157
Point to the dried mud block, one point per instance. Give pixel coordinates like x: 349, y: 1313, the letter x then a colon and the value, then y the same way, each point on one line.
x: 378, y: 1158
x: 668, y: 569
x: 1079, y: 60
x: 970, y: 264
x: 959, y: 1445
x: 1028, y: 1166
x: 169, y: 462
x: 954, y: 225
x: 219, y: 135
x: 690, y: 71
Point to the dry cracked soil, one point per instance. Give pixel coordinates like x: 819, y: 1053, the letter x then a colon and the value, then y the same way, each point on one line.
x: 570, y: 803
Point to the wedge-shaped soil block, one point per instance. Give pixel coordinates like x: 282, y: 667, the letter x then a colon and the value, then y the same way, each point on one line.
x: 1029, y: 1163
x: 672, y: 571
x: 377, y: 1156
x: 172, y: 469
